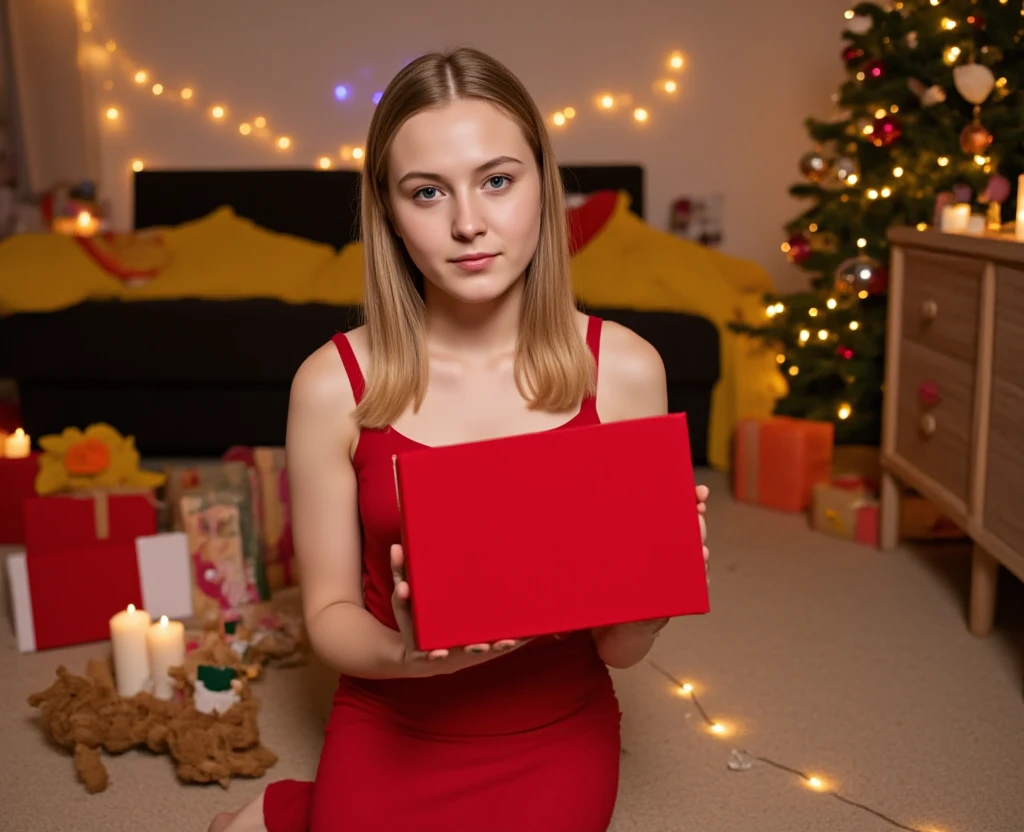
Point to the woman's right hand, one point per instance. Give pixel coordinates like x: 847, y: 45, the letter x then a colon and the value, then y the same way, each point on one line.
x: 435, y: 662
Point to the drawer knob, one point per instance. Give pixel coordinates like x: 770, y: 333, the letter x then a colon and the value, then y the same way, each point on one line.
x: 929, y: 310
x: 928, y: 424
x: 928, y: 393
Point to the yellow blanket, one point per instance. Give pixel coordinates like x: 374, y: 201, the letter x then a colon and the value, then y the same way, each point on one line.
x: 627, y: 264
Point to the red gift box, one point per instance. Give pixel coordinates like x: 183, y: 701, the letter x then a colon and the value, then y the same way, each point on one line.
x: 846, y: 507
x: 17, y: 484
x: 779, y: 460
x: 58, y: 522
x: 68, y: 597
x: 551, y: 532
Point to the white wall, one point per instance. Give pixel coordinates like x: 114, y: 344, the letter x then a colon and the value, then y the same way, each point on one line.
x: 753, y: 72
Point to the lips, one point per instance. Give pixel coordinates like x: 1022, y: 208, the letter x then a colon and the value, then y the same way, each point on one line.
x: 473, y: 258
x: 474, y: 262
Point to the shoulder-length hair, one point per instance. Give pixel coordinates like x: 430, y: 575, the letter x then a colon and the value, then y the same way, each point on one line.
x: 553, y: 368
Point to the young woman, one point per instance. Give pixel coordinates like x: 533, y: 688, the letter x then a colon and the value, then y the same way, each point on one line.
x: 471, y: 333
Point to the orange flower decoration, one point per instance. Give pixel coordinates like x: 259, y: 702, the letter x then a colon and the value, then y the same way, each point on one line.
x: 98, y: 457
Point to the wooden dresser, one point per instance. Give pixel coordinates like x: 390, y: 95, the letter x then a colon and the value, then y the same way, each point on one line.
x: 953, y: 424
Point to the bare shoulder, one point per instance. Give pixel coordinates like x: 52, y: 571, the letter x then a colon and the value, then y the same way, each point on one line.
x: 631, y: 378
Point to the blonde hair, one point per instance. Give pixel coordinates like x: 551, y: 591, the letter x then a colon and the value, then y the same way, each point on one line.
x: 553, y: 368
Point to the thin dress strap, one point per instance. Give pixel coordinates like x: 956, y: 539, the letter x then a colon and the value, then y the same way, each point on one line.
x: 348, y: 358
x: 589, y: 405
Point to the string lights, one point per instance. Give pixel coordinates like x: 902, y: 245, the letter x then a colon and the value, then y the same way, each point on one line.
x: 101, y: 49
x: 742, y: 759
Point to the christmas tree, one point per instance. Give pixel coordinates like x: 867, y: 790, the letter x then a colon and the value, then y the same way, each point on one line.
x: 931, y: 114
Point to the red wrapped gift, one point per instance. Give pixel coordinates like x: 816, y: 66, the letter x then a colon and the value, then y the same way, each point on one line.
x: 551, y: 532
x: 778, y: 461
x: 846, y: 507
x: 62, y: 521
x: 69, y: 596
x: 17, y: 484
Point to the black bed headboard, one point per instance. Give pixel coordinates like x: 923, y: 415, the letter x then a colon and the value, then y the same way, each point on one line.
x: 320, y: 205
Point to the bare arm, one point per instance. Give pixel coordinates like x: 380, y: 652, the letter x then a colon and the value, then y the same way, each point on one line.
x: 631, y: 385
x: 325, y: 523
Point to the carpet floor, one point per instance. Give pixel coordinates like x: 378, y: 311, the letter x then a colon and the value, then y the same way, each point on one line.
x: 820, y: 655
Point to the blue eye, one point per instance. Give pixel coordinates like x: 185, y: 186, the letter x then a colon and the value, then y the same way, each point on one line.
x: 497, y: 181
x: 426, y: 193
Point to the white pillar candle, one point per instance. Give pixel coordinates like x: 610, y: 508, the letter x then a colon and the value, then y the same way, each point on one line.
x: 128, y: 642
x: 976, y: 225
x: 165, y: 643
x: 1019, y: 225
x: 17, y: 445
x: 955, y: 218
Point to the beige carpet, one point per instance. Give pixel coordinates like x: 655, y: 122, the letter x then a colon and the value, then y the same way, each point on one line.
x: 826, y: 656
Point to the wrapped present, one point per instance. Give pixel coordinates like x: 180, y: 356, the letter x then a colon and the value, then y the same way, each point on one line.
x: 17, y: 484
x: 234, y: 481
x: 62, y: 521
x: 778, y: 461
x: 68, y: 597
x: 276, y: 520
x: 219, y: 531
x: 846, y: 507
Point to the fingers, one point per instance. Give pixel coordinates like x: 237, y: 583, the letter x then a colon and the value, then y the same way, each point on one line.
x: 437, y: 655
x: 703, y: 492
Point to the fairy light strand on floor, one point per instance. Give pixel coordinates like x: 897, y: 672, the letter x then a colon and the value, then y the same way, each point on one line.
x: 818, y: 784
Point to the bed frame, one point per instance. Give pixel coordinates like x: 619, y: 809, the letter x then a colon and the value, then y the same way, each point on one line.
x: 192, y: 377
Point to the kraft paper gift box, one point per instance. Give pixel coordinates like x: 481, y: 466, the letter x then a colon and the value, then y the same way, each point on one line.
x: 17, y: 484
x: 551, y: 532
x: 62, y: 521
x: 67, y: 597
x: 778, y: 461
x: 278, y: 553
x: 847, y: 508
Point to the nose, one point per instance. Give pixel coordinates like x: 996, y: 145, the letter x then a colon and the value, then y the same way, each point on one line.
x: 468, y: 221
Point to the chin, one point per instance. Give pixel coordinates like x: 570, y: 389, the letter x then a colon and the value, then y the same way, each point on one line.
x: 476, y: 288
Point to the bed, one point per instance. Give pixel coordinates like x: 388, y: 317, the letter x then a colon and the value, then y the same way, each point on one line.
x: 192, y: 376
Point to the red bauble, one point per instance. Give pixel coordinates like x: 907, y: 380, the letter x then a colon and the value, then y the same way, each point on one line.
x: 975, y: 139
x: 844, y: 352
x: 874, y: 69
x: 799, y: 249
x: 852, y: 54
x: 878, y: 283
x: 976, y: 20
x: 885, y: 131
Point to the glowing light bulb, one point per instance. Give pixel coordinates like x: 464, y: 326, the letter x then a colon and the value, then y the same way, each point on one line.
x: 816, y: 783
x: 980, y: 161
x: 284, y: 143
x: 217, y: 112
x: 812, y: 227
x: 341, y: 92
x: 822, y: 334
x: 794, y: 370
x: 112, y: 114
x: 943, y: 161
x: 948, y: 24
x: 804, y: 335
x: 558, y: 119
x: 780, y: 359
x: 137, y: 165
x: 676, y: 60
x: 259, y: 122
x: 357, y: 153
x: 670, y: 86
x: 607, y: 102
x: 935, y: 2
x: 852, y: 179
x: 719, y: 729
x: 831, y: 303
x: 862, y: 294
x: 861, y: 76
x: 880, y: 113
x: 324, y: 162
x: 894, y: 108
x: 922, y: 226
x: 640, y: 114
x: 141, y: 76
x: 897, y: 172
x: 158, y: 89
x: 952, y: 54
x: 245, y: 128
x: 854, y: 325
x: 872, y: 194
x: 844, y: 411
x: 886, y: 192
x: 770, y: 311
x: 685, y: 689
x: 186, y: 93
x: 569, y: 112
x: 83, y: 219
x: 861, y: 243
x: 868, y: 129
x: 813, y: 312
x: 849, y: 14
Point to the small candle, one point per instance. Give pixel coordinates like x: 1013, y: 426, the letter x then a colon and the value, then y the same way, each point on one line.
x: 17, y: 445
x: 128, y: 640
x: 165, y: 643
x: 955, y: 218
x: 1019, y: 225
x: 976, y: 225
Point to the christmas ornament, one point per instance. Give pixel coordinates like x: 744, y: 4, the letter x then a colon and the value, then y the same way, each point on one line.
x: 855, y: 274
x: 886, y: 130
x: 874, y: 69
x: 799, y: 249
x: 844, y: 352
x: 845, y: 167
x: 814, y: 166
x: 860, y: 25
x: 930, y: 96
x: 976, y: 20
x: 928, y: 393
x: 852, y: 54
x: 975, y: 139
x: 974, y: 82
x: 912, y: 40
x: 997, y: 190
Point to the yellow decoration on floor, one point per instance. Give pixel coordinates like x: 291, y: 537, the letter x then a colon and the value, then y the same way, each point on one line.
x: 98, y: 457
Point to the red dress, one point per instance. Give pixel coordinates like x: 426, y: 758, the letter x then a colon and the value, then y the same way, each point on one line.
x: 527, y: 742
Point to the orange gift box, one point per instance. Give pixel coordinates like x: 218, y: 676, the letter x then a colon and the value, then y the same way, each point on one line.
x: 778, y: 461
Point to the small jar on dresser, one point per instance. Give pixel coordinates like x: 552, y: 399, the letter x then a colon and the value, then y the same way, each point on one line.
x: 953, y: 420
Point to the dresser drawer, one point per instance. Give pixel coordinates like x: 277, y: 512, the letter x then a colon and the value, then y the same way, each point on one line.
x: 941, y: 297
x: 1004, y: 470
x: 1008, y: 351
x: 935, y: 416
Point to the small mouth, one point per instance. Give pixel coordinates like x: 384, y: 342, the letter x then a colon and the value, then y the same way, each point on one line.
x: 474, y: 258
x: 475, y: 262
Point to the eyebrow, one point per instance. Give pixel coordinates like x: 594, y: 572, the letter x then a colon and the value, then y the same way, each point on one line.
x: 486, y: 166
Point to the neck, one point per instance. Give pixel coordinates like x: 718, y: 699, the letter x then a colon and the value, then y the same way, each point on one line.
x: 482, y: 329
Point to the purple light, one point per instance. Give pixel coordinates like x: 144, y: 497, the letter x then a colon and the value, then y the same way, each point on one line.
x: 341, y: 92
x: 377, y: 97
